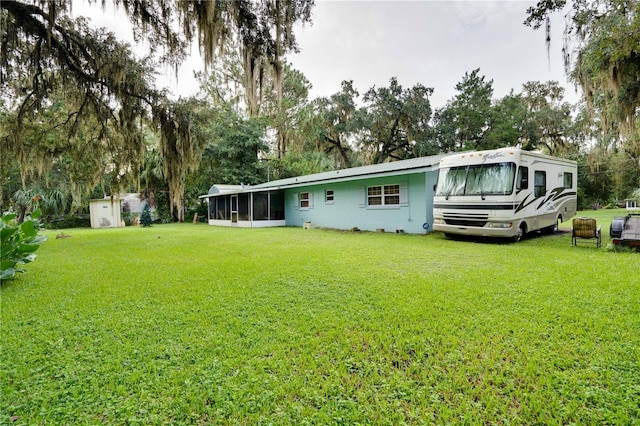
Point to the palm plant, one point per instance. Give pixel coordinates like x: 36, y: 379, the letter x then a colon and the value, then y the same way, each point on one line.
x: 53, y: 203
x: 152, y: 175
x: 23, y: 202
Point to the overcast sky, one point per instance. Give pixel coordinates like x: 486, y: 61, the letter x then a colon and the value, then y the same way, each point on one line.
x: 429, y: 42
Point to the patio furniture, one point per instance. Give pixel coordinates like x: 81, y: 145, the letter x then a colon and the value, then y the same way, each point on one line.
x: 586, y: 228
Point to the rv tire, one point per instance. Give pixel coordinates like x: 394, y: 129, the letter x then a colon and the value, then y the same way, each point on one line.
x: 553, y: 229
x: 522, y: 229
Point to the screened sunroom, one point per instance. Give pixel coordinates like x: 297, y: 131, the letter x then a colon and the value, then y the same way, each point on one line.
x: 237, y: 206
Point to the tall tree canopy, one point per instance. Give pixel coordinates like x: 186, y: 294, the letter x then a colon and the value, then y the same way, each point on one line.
x: 338, y: 121
x: 230, y: 154
x: 48, y: 60
x: 255, y: 60
x: 467, y: 115
x: 397, y: 121
x: 508, y: 123
x: 472, y: 105
x: 606, y: 59
x: 44, y: 51
x: 548, y: 118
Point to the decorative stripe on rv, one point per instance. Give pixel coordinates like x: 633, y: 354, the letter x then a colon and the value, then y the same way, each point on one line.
x: 475, y: 207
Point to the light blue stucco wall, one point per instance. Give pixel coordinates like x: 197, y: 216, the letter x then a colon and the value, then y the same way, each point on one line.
x: 346, y: 211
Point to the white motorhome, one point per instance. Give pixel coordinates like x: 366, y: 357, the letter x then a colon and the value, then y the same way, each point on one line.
x: 505, y: 192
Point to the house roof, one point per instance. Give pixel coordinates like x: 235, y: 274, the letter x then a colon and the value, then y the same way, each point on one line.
x: 223, y: 189
x: 413, y: 165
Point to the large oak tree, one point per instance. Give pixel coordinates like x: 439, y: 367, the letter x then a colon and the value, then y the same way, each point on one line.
x: 602, y: 54
x: 43, y: 50
x: 396, y: 122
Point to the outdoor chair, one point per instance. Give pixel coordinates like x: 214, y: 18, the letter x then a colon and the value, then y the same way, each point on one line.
x: 586, y: 228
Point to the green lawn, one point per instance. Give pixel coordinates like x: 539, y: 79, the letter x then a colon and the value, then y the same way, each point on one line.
x: 192, y: 324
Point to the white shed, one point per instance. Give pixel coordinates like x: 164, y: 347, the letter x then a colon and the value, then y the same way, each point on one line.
x: 106, y: 213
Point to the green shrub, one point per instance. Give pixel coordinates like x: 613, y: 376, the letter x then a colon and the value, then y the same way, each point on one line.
x: 19, y: 242
x: 617, y: 248
x: 70, y: 221
x: 129, y: 218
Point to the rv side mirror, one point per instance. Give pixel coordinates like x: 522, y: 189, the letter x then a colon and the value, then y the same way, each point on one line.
x: 523, y: 184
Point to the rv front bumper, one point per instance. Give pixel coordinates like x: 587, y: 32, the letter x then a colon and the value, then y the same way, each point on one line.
x: 491, y: 229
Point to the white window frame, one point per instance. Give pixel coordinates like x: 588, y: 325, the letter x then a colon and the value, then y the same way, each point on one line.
x: 329, y: 196
x: 387, y: 191
x: 303, y: 200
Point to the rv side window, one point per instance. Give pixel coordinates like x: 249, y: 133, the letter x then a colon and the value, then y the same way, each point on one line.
x: 523, y: 178
x: 540, y: 182
x: 568, y: 180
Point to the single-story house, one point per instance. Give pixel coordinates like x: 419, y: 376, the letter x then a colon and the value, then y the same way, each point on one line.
x: 394, y: 197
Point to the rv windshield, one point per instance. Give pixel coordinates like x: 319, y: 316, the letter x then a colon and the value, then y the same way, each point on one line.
x: 480, y: 179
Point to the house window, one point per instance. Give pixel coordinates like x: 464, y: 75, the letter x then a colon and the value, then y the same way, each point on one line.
x: 374, y: 196
x: 392, y: 194
x: 568, y: 180
x: 540, y: 183
x: 328, y: 196
x: 304, y: 200
x: 384, y: 195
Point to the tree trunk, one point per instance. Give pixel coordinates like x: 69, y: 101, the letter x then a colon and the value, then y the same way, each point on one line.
x: 343, y: 154
x: 277, y: 63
